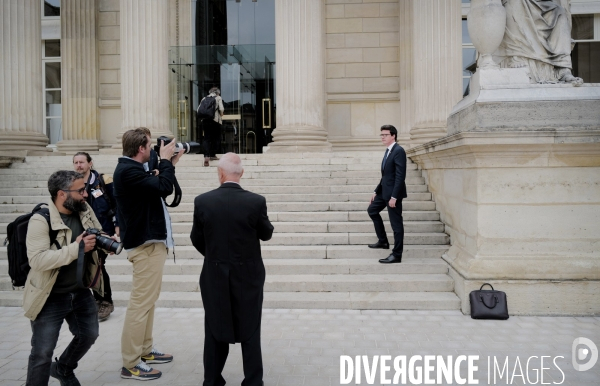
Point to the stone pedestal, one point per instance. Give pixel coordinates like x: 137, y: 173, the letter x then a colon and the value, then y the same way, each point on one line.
x: 79, y: 75
x: 517, y: 184
x: 21, y: 110
x: 437, y: 61
x: 300, y: 77
x: 144, y: 67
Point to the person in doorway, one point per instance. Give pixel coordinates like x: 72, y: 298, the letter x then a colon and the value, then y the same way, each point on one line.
x: 100, y: 197
x: 389, y: 192
x: 213, y: 127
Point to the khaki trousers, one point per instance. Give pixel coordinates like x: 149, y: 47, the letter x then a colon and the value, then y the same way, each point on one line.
x: 148, y: 263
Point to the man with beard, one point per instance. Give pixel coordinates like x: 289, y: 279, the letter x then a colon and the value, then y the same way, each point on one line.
x: 146, y: 235
x: 56, y: 290
x: 100, y: 197
x: 229, y: 223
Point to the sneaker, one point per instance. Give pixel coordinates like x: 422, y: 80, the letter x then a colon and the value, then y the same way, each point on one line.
x: 104, y: 310
x: 64, y: 379
x: 141, y: 372
x: 156, y: 356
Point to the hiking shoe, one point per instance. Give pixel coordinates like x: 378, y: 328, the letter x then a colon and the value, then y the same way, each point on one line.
x: 141, y: 372
x: 64, y: 379
x: 104, y: 310
x: 156, y: 356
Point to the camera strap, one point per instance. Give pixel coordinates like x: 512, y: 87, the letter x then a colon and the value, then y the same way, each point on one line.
x: 178, y: 193
x: 81, y: 268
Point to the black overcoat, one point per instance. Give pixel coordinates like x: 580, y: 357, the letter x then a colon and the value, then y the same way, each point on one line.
x: 229, y: 223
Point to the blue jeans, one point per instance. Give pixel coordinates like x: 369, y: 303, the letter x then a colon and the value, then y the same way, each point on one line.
x: 80, y: 311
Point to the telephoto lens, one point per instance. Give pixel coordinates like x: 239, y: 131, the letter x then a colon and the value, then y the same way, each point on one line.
x: 104, y: 242
x: 186, y: 147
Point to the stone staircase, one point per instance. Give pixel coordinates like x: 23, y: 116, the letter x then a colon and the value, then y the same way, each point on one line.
x: 317, y: 257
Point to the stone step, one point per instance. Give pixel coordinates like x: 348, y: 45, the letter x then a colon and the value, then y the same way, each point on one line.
x: 333, y: 227
x: 336, y: 239
x: 420, y: 215
x: 41, y: 196
x: 315, y: 206
x: 191, y: 180
x: 200, y: 170
x: 431, y: 252
x: 303, y: 300
x: 306, y: 283
x: 414, y: 266
x: 37, y: 188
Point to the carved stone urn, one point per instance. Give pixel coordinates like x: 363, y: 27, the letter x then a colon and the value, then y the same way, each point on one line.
x: 486, y: 22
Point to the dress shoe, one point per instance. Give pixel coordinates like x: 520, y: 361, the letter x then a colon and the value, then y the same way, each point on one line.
x: 391, y: 259
x: 380, y: 245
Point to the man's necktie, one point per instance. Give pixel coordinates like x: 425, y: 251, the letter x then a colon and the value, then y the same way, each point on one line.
x: 384, y: 158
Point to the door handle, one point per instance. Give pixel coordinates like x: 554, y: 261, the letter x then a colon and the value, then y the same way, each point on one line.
x: 266, y: 105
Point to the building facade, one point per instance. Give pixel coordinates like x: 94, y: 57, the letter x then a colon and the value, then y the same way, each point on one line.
x: 313, y: 74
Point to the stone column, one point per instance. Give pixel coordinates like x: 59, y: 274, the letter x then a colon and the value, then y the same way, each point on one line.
x: 79, y: 73
x: 437, y: 62
x: 144, y: 67
x: 406, y: 71
x: 300, y: 62
x: 21, y: 110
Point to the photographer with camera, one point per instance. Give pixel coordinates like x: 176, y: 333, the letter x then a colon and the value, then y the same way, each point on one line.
x: 100, y: 197
x: 146, y: 235
x: 57, y: 286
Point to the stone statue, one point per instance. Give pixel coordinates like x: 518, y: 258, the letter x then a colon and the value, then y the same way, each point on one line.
x: 538, y: 36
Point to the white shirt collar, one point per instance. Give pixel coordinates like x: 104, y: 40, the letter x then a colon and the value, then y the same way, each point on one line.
x: 231, y: 182
x: 391, y: 146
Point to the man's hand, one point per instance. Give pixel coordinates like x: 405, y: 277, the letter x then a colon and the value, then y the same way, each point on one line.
x: 392, y: 203
x: 88, y: 240
x: 176, y: 158
x: 117, y: 232
x: 166, y: 152
x: 372, y: 198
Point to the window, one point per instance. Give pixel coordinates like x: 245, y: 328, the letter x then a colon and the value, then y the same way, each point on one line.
x: 51, y: 8
x: 52, y: 90
x: 469, y: 58
x: 586, y: 54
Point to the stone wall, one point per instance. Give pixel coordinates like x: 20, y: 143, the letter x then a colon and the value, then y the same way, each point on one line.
x: 362, y: 56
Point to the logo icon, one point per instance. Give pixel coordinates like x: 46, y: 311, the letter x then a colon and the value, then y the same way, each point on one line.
x: 590, y: 352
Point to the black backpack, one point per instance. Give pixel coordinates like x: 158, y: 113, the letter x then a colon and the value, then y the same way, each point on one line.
x: 18, y: 263
x: 207, y: 108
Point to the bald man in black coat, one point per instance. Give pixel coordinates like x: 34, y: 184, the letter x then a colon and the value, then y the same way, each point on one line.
x: 229, y: 223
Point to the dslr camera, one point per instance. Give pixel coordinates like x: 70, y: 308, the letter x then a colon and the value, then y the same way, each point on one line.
x: 104, y: 242
x: 185, y: 147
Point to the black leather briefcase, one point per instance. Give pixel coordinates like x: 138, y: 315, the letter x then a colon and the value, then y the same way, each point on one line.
x: 488, y: 304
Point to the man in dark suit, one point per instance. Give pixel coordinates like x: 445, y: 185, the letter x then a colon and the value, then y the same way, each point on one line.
x: 229, y: 223
x: 390, y: 192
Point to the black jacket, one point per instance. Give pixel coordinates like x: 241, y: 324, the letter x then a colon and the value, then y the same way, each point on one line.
x: 393, y: 175
x: 139, y: 208
x: 104, y: 206
x: 229, y: 223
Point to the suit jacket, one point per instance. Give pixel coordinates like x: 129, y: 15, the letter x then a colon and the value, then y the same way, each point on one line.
x: 393, y: 175
x: 229, y: 223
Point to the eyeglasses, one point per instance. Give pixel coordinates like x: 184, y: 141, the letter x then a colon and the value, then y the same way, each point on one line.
x: 383, y: 135
x: 80, y: 191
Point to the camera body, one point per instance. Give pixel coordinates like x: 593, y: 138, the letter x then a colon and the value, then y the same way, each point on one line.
x: 186, y: 147
x: 104, y: 242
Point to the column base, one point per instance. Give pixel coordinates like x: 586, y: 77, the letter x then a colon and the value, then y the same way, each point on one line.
x: 72, y: 146
x: 299, y: 139
x: 423, y: 134
x: 23, y: 140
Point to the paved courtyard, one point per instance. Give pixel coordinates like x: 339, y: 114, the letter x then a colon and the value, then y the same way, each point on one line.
x: 303, y: 347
